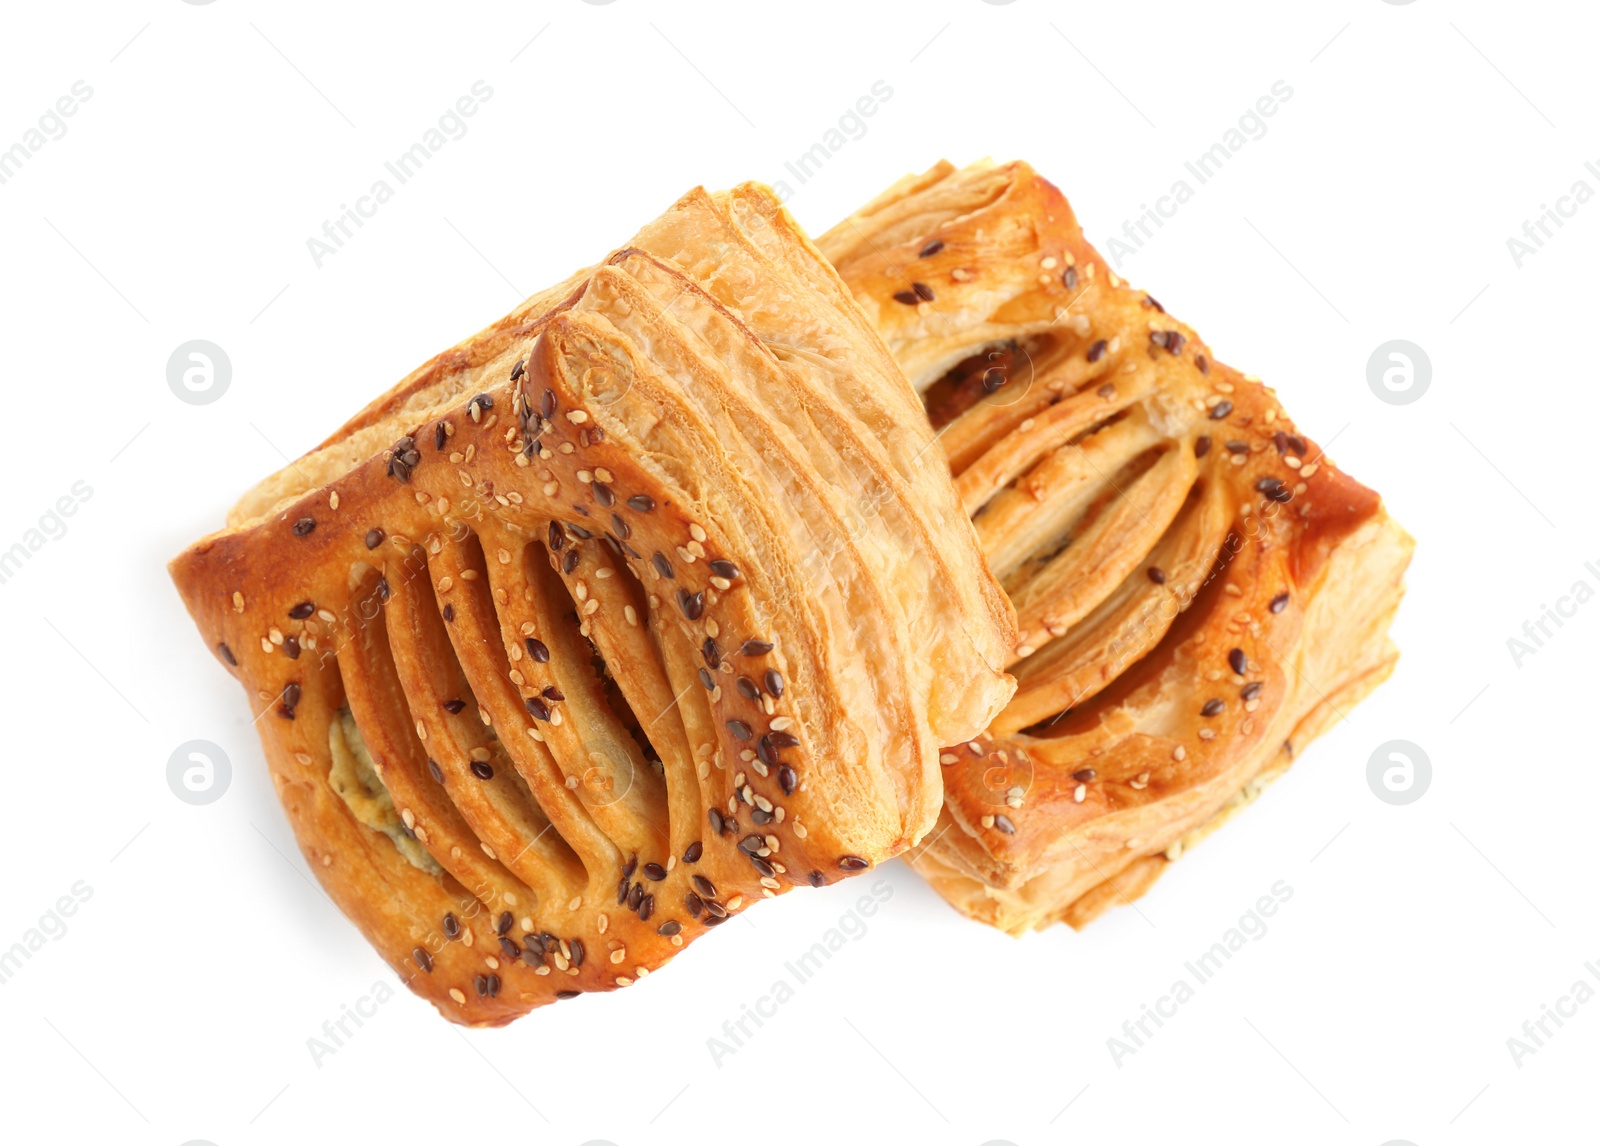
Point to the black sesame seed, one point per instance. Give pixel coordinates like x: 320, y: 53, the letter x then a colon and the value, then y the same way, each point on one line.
x: 1222, y: 409
x: 448, y: 613
x: 547, y: 404
x: 1156, y: 575
x: 304, y: 526
x: 509, y: 946
x: 537, y: 708
x: 1237, y: 447
x: 226, y: 654
x: 383, y: 588
x: 1280, y: 442
x: 301, y: 611
x: 647, y: 906
x: 714, y: 817
x: 766, y: 752
x: 480, y: 984
x: 755, y: 648
x: 623, y: 887
x: 1202, y: 363
x: 909, y: 297
x: 705, y: 679
x: 1202, y: 446
x: 1236, y: 661
x: 454, y: 706
x: 557, y: 538
x: 931, y: 249
x: 1096, y: 350
x: 452, y: 925
x: 533, y: 956
x: 740, y: 729
x: 760, y: 817
x: 291, y: 648
x: 761, y: 865
x: 1003, y: 822
x: 374, y: 538
x: 853, y: 863
x: 711, y: 653
x: 1250, y: 691
x: 783, y: 739
x: 663, y: 566
x: 655, y: 872
x: 642, y: 502
x: 715, y: 913
x: 1069, y: 278
x: 621, y: 528
x: 517, y: 370
x: 705, y: 887
x: 482, y: 770
x: 635, y: 896
x: 576, y: 947
x: 569, y: 562
x: 692, y: 604
x: 568, y: 994
x: 817, y: 879
x: 494, y: 986
x: 669, y: 928
x: 537, y: 649
x: 579, y: 531
x: 603, y: 494
x: 788, y: 779
x: 291, y: 694
x: 924, y: 291
x: 692, y: 853
x: 1278, y: 603
x: 424, y: 960
x: 435, y: 771
x: 1212, y: 707
x: 774, y: 682
x: 747, y: 688
x: 693, y: 904
x: 725, y: 569
x: 551, y: 692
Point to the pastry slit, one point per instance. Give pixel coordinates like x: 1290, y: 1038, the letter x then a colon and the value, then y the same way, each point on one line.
x: 481, y: 639
x: 382, y: 713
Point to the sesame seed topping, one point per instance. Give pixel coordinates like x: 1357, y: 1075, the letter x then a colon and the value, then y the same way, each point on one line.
x: 853, y: 863
x: 931, y: 249
x: 755, y: 648
x: 1084, y: 775
x: 538, y: 650
x: 1250, y: 691
x: 1202, y: 446
x: 1222, y: 409
x: 1278, y: 603
x: 304, y: 526
x: 909, y: 297
x: 1212, y: 707
x: 1156, y: 575
x: 482, y: 770
x: 1237, y: 661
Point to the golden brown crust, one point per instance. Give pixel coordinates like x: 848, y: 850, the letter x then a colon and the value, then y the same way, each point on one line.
x: 1198, y: 589
x: 628, y: 613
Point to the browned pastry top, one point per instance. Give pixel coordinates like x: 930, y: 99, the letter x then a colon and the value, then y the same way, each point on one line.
x: 1158, y: 521
x: 612, y: 619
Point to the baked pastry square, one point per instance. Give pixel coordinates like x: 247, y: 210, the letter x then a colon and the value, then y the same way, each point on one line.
x: 1199, y: 590
x: 644, y: 603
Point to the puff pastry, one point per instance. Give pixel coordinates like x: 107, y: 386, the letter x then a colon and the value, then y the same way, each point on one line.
x: 644, y: 603
x: 1199, y: 590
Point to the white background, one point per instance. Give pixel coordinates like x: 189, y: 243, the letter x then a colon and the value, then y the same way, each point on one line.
x: 219, y: 137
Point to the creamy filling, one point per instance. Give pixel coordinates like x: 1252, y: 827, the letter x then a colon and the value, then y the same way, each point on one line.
x: 355, y: 779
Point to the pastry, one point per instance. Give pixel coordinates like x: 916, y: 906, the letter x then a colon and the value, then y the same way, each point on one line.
x: 1199, y: 590
x: 646, y: 602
